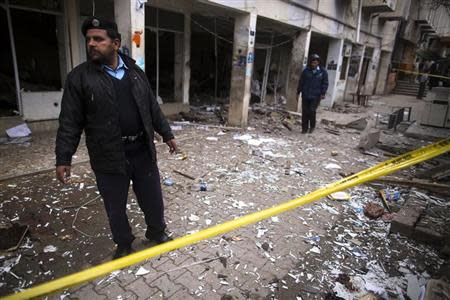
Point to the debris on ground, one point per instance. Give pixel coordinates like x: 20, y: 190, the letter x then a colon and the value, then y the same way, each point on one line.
x: 348, y: 249
x: 18, y: 131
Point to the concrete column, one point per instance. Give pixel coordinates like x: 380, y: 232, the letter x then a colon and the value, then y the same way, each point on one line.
x: 299, y: 59
x: 242, y: 68
x: 333, y: 66
x: 385, y: 60
x: 73, y: 24
x: 354, y: 70
x: 186, y: 58
x: 372, y: 72
x: 341, y: 83
x: 284, y: 74
x: 131, y: 24
x: 178, y: 67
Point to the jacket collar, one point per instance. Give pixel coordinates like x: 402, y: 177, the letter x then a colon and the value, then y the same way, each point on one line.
x: 128, y: 61
x: 318, y: 68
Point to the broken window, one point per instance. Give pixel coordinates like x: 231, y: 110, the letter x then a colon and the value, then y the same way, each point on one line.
x: 211, y: 56
x: 319, y: 45
x: 35, y: 37
x: 344, y: 68
x: 164, y: 42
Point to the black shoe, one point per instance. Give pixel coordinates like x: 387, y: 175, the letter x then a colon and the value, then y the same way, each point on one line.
x: 304, y: 131
x: 311, y: 130
x: 159, y: 238
x: 122, y: 250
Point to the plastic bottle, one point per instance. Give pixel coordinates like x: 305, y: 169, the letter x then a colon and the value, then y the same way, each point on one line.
x: 202, y: 187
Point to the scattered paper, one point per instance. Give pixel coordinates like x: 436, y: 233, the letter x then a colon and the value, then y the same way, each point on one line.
x: 21, y: 130
x: 50, y: 248
x: 331, y: 166
x: 142, y: 271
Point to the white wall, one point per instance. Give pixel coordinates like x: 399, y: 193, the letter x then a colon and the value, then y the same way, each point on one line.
x: 334, y: 57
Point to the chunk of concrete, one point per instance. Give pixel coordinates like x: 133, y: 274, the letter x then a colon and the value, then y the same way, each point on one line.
x: 413, y: 289
x: 170, y: 109
x: 359, y: 124
x: 428, y: 235
x: 369, y: 139
x: 405, y: 220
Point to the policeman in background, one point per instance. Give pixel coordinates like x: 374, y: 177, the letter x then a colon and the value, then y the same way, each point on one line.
x: 313, y: 85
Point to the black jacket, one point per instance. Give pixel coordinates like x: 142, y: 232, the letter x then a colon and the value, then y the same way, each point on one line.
x: 89, y: 104
x: 313, y: 84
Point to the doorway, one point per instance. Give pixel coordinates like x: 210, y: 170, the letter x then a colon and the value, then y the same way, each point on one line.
x: 319, y: 45
x: 8, y: 99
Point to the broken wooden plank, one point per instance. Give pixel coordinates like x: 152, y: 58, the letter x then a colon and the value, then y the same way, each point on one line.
x: 332, y: 131
x: 422, y: 184
x: 392, y: 149
x: 436, y: 173
x: 383, y: 197
x: 184, y: 174
x: 287, y: 124
x: 293, y: 113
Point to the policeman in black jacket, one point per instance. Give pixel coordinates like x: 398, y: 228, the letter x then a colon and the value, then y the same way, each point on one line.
x: 313, y: 85
x: 109, y: 97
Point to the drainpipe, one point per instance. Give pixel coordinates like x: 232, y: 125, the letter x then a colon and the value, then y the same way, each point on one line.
x: 358, y: 25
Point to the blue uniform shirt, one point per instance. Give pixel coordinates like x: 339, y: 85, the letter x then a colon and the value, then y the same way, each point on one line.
x: 119, y: 71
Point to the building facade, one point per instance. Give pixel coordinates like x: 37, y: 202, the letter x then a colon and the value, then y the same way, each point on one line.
x: 234, y: 52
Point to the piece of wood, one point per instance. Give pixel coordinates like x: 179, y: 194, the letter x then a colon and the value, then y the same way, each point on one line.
x: 383, y: 197
x: 293, y: 113
x: 184, y: 174
x: 287, y: 125
x: 335, y: 132
x: 369, y: 153
x: 436, y: 173
x: 392, y: 149
x: 422, y: 184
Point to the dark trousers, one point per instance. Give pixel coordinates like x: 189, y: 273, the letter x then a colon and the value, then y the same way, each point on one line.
x: 147, y: 187
x: 309, y: 107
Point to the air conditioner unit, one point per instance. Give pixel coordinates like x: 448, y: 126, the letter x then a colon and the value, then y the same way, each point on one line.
x: 436, y: 111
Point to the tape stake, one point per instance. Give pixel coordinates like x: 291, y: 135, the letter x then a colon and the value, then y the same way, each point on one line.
x: 381, y: 169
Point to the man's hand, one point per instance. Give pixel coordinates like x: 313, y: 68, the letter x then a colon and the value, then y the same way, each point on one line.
x: 172, y: 146
x: 63, y: 173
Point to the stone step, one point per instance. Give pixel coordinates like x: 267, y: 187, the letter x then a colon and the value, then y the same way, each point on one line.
x: 406, y: 90
x: 404, y: 93
x: 399, y: 83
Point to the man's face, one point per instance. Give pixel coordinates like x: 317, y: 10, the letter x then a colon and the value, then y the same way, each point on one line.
x: 314, y: 63
x: 101, y: 48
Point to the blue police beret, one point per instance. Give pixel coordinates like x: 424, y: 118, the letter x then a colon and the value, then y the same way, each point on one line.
x: 98, y: 23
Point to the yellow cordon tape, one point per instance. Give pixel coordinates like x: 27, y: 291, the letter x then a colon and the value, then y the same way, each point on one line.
x: 370, y: 174
x: 419, y: 73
